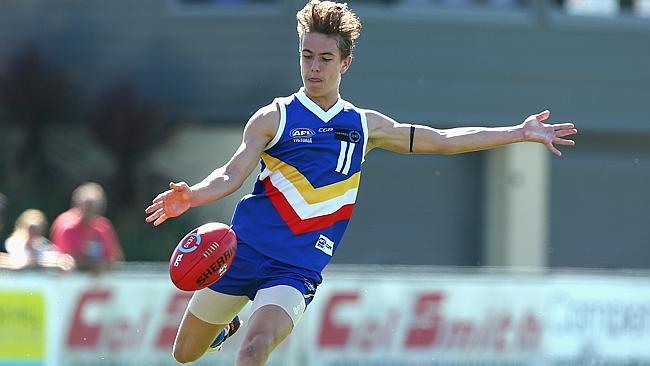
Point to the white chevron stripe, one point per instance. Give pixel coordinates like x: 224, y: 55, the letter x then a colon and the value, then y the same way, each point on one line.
x: 298, y: 203
x: 265, y: 173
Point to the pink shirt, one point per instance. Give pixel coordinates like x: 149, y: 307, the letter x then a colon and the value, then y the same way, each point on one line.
x: 96, y: 241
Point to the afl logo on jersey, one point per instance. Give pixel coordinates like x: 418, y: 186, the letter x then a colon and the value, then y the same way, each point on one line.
x: 302, y: 134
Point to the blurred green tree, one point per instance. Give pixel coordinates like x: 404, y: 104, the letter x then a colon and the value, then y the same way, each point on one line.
x: 34, y: 95
x: 130, y: 129
x: 43, y: 156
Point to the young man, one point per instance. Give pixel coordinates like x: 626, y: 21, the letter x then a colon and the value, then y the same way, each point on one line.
x: 310, y: 146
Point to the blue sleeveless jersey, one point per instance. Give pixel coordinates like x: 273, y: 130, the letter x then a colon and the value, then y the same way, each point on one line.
x: 306, y: 191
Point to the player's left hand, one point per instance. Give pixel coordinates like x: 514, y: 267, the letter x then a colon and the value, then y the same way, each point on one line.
x: 171, y: 203
x: 548, y: 134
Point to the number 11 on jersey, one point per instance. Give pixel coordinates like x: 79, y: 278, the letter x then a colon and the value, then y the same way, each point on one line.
x: 345, y: 157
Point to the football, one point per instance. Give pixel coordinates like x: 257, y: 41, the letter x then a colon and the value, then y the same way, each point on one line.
x: 203, y: 256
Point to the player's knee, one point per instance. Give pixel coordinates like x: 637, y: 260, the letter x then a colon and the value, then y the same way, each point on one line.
x: 256, y: 349
x: 184, y: 354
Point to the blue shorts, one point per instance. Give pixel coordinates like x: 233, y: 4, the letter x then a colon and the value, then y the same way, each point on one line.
x: 252, y: 271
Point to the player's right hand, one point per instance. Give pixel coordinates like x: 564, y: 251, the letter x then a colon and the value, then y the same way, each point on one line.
x: 170, y: 203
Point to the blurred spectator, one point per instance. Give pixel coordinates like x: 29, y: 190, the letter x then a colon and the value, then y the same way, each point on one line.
x: 27, y: 247
x: 642, y: 7
x: 3, y: 212
x: 590, y: 7
x: 602, y: 7
x: 84, y: 233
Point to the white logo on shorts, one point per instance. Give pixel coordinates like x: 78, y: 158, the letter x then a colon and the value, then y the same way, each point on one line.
x: 325, y: 245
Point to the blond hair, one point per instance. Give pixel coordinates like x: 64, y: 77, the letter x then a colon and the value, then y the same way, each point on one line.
x: 331, y: 19
x: 31, y: 218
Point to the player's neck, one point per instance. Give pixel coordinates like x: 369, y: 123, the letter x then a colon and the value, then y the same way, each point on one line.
x: 325, y: 102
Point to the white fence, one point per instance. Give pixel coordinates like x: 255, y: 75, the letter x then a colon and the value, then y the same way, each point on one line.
x: 357, y: 319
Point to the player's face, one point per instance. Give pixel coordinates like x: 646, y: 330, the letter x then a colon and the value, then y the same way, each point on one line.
x: 321, y: 65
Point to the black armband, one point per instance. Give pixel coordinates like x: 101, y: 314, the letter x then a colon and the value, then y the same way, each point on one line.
x: 411, y: 139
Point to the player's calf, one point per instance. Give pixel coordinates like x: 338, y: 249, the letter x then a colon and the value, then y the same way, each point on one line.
x: 186, y: 353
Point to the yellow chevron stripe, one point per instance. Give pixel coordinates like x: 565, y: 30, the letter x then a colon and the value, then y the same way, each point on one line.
x: 307, y: 191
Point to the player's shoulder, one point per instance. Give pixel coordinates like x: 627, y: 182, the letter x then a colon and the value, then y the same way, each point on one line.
x: 267, y: 113
x: 265, y: 121
x: 371, y: 113
x: 376, y: 118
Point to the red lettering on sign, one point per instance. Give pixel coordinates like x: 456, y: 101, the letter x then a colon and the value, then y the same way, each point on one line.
x: 529, y: 332
x: 173, y: 315
x: 82, y: 334
x: 460, y: 334
x: 334, y: 334
x: 425, y: 326
x: 123, y: 334
x: 502, y: 331
x: 118, y: 329
x: 376, y: 331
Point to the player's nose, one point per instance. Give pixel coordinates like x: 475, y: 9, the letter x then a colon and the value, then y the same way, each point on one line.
x: 314, y: 66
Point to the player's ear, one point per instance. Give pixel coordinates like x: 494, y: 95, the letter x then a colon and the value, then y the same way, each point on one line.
x: 345, y: 65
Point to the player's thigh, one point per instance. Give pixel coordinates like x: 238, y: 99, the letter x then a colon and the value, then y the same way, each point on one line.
x: 206, y: 315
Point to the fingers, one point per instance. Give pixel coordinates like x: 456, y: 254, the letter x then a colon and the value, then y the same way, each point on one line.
x: 178, y: 187
x: 553, y: 149
x: 543, y: 115
x: 153, y: 207
x: 160, y: 220
x: 558, y: 141
x: 159, y: 201
x: 562, y: 133
x: 563, y: 126
x: 153, y: 216
x: 564, y: 142
x: 156, y: 210
x: 156, y: 214
x: 157, y: 217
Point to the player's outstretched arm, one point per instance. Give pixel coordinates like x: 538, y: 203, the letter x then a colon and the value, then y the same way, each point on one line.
x: 180, y: 197
x: 388, y: 134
